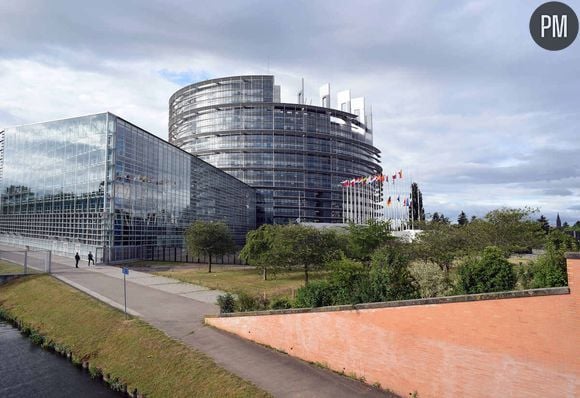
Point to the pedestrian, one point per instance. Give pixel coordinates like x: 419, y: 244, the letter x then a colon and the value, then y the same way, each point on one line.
x: 90, y: 256
x: 77, y: 259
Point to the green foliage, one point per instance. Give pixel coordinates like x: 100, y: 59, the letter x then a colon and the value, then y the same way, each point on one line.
x: 512, y: 230
x: 544, y: 224
x: 561, y: 241
x: 363, y: 240
x: 462, y: 219
x: 280, y: 303
x: 489, y: 273
x: 549, y: 270
x: 442, y: 244
x: 247, y: 302
x: 258, y: 247
x: 390, y: 278
x: 295, y: 245
x: 315, y: 294
x: 227, y: 303
x: 349, y: 282
x: 209, y: 239
x: 433, y: 282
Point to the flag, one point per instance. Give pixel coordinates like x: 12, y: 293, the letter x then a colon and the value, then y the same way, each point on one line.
x: 400, y: 173
x: 399, y: 198
x: 345, y: 183
x: 394, y: 177
x: 386, y: 178
x: 389, y: 201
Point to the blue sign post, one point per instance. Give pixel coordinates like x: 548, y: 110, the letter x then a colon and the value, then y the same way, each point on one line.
x: 125, y: 273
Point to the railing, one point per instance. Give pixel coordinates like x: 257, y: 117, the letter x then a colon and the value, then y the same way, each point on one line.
x: 159, y: 253
x: 23, y: 261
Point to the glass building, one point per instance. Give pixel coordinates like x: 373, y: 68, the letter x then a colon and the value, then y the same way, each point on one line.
x: 102, y: 184
x: 295, y: 155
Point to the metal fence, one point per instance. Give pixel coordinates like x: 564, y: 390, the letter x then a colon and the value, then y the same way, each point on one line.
x: 22, y: 261
x: 159, y: 253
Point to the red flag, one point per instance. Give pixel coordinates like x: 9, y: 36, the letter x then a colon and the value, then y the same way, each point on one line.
x: 389, y: 201
x: 394, y: 177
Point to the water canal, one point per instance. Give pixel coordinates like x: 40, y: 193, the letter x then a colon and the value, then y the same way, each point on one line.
x: 26, y: 370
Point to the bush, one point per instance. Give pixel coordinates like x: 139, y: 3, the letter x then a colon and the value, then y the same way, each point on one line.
x: 281, y: 303
x: 549, y: 270
x: 247, y: 302
x: 390, y: 278
x: 433, y: 282
x: 489, y: 273
x: 315, y: 294
x: 227, y: 303
x: 349, y: 281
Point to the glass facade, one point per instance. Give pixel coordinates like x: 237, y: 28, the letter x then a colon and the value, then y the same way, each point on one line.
x: 100, y: 183
x: 295, y: 155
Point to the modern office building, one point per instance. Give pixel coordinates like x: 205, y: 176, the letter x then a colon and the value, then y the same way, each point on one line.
x: 102, y: 184
x: 295, y: 155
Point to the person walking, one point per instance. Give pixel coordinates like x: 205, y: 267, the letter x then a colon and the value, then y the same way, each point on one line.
x: 77, y: 259
x: 90, y: 257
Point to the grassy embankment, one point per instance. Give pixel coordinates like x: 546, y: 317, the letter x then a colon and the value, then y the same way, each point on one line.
x: 7, y: 267
x: 244, y: 280
x: 139, y: 355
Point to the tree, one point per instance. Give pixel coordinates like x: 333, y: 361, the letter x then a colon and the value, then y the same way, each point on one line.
x: 544, y: 224
x: 558, y: 221
x: 441, y: 244
x: 489, y: 273
x: 565, y: 225
x: 435, y: 218
x: 296, y: 245
x: 462, y: 219
x: 363, y: 240
x: 256, y: 251
x: 512, y: 230
x: 416, y: 210
x: 209, y: 239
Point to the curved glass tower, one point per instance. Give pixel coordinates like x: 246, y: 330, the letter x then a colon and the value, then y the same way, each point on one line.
x: 295, y: 155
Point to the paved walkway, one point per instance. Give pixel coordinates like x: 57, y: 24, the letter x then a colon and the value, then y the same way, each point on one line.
x: 179, y: 308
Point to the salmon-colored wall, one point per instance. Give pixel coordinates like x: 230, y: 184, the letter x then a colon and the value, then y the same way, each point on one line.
x: 518, y: 347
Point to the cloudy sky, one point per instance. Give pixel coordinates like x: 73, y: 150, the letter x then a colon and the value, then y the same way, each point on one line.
x: 462, y: 98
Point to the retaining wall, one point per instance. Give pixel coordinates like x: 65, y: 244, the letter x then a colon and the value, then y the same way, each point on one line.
x: 514, y: 344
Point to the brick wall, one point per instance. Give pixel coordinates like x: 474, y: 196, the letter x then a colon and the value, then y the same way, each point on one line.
x: 518, y: 345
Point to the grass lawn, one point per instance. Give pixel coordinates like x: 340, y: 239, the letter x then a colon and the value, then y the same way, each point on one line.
x: 138, y: 354
x: 11, y: 268
x: 243, y: 280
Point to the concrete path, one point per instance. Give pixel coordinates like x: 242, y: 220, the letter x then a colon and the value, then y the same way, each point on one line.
x: 179, y: 309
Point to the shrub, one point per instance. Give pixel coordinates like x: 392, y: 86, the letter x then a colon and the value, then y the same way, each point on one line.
x: 390, y: 278
x: 549, y: 270
x: 247, y: 302
x: 315, y: 294
x: 432, y: 280
x: 349, y: 280
x: 281, y: 303
x: 227, y: 303
x: 489, y: 273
